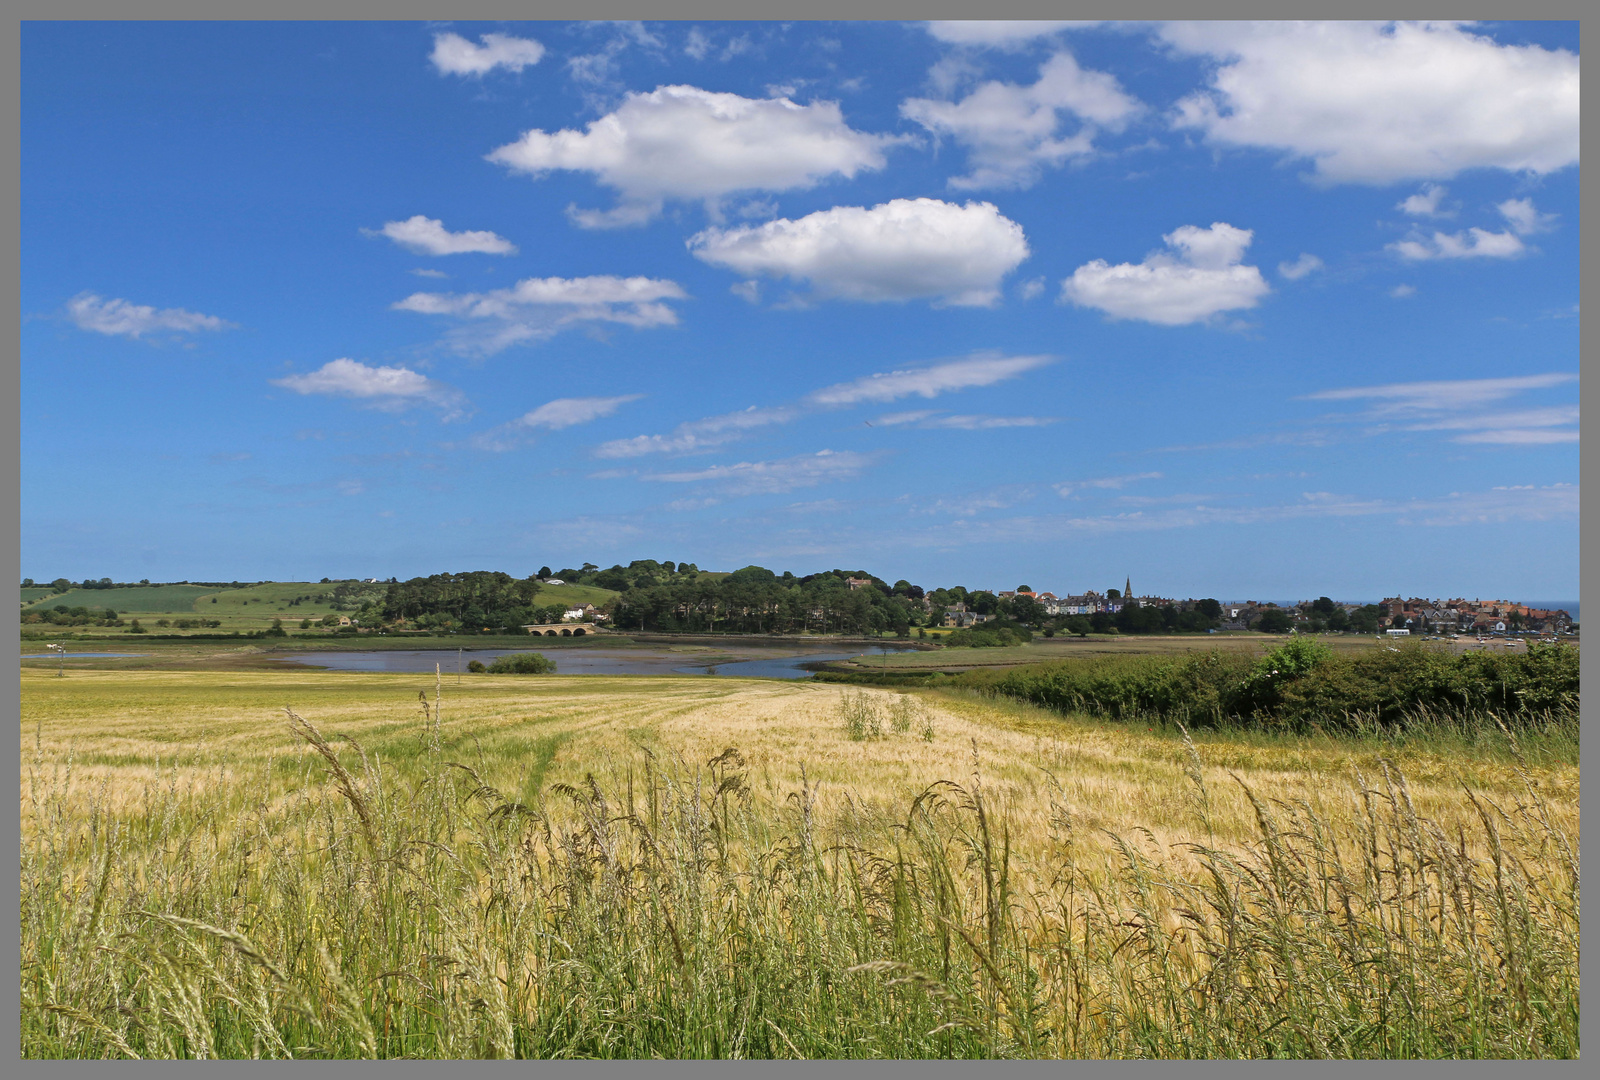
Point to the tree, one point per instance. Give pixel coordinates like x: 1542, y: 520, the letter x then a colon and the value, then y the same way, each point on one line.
x: 27, y: 583
x: 1274, y: 621
x: 544, y: 571
x: 1113, y: 594
x: 1209, y: 608
x: 1323, y: 606
x: 1338, y: 621
x: 1079, y: 625
x: 1025, y: 588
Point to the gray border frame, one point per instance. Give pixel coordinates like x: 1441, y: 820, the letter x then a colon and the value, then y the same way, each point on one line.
x: 708, y: 10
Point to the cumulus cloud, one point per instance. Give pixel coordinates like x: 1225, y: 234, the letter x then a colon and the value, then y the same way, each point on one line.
x: 119, y: 317
x: 681, y: 142
x: 428, y: 236
x: 455, y: 55
x: 1376, y: 103
x: 1200, y: 278
x: 696, y: 435
x: 1474, y: 243
x: 388, y: 388
x: 905, y: 249
x: 1004, y: 33
x: 1011, y: 132
x: 553, y: 416
x: 981, y: 369
x: 537, y: 308
x: 1302, y: 266
x: 1462, y: 405
x: 772, y: 477
x: 1523, y: 218
x: 1425, y: 203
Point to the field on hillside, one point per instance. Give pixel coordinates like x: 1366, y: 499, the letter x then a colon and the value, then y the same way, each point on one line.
x: 250, y: 607
x: 583, y: 866
x: 137, y: 598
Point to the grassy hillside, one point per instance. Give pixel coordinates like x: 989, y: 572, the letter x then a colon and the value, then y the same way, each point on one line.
x: 30, y: 595
x: 556, y: 866
x: 575, y: 595
x: 138, y: 599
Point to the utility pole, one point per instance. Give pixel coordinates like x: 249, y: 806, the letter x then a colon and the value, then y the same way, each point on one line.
x: 61, y: 652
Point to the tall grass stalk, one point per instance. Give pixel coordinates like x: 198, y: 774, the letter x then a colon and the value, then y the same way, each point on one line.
x: 382, y: 911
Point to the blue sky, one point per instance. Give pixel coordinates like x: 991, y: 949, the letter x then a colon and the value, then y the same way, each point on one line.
x: 1235, y: 310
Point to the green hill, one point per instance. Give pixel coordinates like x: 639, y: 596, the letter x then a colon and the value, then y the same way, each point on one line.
x: 137, y: 598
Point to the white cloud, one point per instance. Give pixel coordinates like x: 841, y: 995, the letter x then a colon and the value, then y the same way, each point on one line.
x: 1302, y: 266
x: 537, y: 308
x: 1474, y: 243
x: 1524, y: 219
x: 390, y: 388
x: 420, y: 272
x: 697, y: 44
x: 428, y: 236
x: 748, y: 291
x: 552, y: 415
x: 696, y: 435
x: 1203, y: 279
x: 1012, y: 132
x: 933, y: 420
x: 987, y: 423
x: 905, y: 249
x: 1458, y: 406
x: 772, y: 477
x: 1377, y: 103
x: 1004, y: 33
x: 455, y: 55
x: 1425, y: 203
x: 92, y: 312
x: 1032, y: 289
x: 565, y: 412
x: 1400, y: 292
x: 1446, y: 394
x: 1105, y: 483
x: 981, y: 369
x: 681, y: 142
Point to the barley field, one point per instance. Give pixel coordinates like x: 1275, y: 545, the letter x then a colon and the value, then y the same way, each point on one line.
x: 333, y: 865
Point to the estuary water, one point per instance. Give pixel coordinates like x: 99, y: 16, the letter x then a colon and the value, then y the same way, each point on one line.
x: 781, y: 664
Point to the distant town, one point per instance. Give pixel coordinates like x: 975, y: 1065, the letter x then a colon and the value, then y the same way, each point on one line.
x: 651, y: 596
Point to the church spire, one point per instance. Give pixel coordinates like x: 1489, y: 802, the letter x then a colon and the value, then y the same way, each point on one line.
x: 1127, y: 588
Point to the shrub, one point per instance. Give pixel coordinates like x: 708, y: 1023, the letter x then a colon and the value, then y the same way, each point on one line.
x: 476, y: 667
x: 860, y: 716
x: 522, y: 664
x: 1298, y: 684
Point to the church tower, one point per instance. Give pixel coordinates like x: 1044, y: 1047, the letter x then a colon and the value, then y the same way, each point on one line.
x: 1127, y: 588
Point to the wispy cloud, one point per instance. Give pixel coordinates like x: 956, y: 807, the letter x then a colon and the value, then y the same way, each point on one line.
x: 935, y: 420
x: 537, y: 308
x: 552, y: 416
x: 696, y: 435
x: 772, y: 477
x: 1069, y: 488
x: 977, y: 370
x: 1459, y: 404
x: 121, y: 318
x: 981, y: 369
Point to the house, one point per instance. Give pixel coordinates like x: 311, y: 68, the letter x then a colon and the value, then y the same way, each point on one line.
x: 957, y: 616
x: 857, y: 582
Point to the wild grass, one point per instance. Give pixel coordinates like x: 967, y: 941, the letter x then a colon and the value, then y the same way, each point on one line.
x: 589, y: 868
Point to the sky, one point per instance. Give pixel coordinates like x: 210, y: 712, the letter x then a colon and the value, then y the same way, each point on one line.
x: 1236, y: 310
